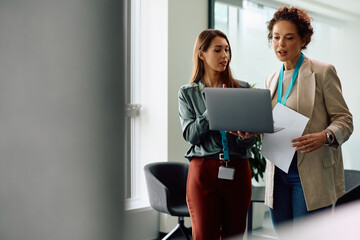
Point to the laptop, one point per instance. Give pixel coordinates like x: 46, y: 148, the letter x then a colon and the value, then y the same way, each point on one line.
x: 244, y: 109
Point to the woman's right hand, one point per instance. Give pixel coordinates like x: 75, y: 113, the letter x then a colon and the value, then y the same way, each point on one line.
x: 243, y: 135
x: 309, y: 142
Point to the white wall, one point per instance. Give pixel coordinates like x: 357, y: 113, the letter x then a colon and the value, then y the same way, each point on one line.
x: 141, y: 224
x: 187, y: 18
x: 60, y: 122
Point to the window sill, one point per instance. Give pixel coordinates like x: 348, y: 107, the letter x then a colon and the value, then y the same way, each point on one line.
x: 136, y: 204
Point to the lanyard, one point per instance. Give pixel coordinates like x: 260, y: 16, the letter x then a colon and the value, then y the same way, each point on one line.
x: 281, y: 75
x: 225, y: 145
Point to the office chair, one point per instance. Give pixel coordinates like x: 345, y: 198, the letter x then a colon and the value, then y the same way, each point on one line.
x: 350, y: 196
x: 166, y: 184
x: 352, y: 178
x: 352, y: 186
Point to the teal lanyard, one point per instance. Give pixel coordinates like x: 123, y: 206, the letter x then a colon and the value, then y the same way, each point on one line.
x: 281, y: 75
x: 225, y: 145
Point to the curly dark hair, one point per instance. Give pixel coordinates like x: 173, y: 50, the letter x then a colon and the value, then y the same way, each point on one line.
x: 298, y: 17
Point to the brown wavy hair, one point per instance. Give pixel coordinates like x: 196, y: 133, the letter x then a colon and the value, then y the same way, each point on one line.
x: 298, y: 17
x: 203, y: 42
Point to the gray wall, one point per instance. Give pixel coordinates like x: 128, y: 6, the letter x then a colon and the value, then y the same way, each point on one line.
x: 60, y: 120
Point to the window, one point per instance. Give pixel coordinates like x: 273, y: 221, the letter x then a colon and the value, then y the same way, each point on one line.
x: 132, y: 98
x: 146, y: 94
x: 245, y: 26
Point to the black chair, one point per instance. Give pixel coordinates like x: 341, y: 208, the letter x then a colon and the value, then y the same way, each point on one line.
x: 352, y: 179
x: 166, y: 184
x: 350, y: 196
x: 352, y: 186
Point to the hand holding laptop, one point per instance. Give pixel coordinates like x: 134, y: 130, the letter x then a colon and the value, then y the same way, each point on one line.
x: 244, y: 135
x: 245, y: 109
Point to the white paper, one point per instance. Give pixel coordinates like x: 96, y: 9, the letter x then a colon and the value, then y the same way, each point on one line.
x: 276, y: 147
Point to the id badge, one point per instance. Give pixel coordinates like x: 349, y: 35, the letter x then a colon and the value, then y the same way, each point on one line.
x: 226, y: 173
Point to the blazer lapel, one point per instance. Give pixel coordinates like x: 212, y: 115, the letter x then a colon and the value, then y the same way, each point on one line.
x: 306, y: 90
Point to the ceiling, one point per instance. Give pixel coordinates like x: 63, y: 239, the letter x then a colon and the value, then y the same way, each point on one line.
x: 345, y: 10
x: 346, y: 6
x: 342, y: 9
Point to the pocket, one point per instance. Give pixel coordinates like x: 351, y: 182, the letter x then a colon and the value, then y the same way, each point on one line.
x: 328, y: 161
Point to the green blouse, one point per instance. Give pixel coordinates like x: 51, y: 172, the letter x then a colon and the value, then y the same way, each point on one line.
x: 195, y: 126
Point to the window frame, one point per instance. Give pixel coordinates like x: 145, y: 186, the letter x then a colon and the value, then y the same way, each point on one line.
x: 146, y: 99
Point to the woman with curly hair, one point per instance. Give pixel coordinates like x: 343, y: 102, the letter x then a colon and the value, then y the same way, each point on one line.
x: 315, y: 179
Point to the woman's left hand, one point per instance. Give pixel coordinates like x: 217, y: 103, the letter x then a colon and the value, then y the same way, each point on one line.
x: 309, y: 142
x: 243, y: 135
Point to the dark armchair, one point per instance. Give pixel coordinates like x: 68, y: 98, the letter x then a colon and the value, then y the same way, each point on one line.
x: 352, y: 186
x: 166, y: 184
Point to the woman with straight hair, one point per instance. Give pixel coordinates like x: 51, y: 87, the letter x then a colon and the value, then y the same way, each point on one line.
x: 218, y: 207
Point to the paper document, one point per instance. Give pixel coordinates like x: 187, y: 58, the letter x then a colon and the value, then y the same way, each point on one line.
x: 276, y: 147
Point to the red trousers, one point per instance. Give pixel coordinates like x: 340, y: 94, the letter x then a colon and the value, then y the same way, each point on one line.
x: 218, y: 207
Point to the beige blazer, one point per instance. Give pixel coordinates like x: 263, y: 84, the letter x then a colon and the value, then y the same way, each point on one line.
x: 320, y: 99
